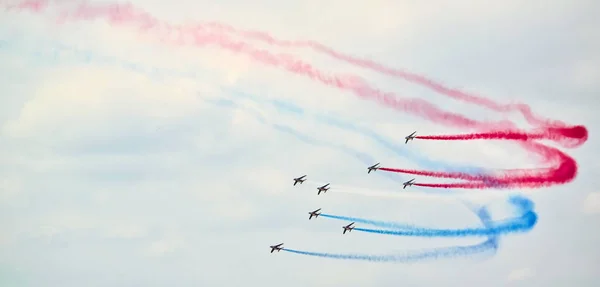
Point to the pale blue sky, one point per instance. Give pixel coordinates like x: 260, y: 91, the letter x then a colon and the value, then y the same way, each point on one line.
x: 127, y: 162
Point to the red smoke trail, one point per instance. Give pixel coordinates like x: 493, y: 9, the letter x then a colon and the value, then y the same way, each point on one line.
x: 568, y: 137
x: 411, y: 77
x: 564, y: 171
x: 126, y: 11
x: 121, y: 15
x: 202, y: 35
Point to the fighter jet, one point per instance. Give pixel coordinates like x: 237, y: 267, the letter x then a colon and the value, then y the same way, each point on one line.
x: 348, y: 228
x: 408, y: 183
x: 314, y: 213
x: 299, y: 180
x: 277, y: 247
x: 323, y: 188
x: 373, y: 167
x: 410, y: 137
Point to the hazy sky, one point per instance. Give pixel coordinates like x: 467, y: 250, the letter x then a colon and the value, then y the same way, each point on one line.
x: 127, y: 160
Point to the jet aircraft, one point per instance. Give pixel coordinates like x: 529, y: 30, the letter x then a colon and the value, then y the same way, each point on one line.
x: 299, y: 180
x: 314, y: 213
x: 348, y: 228
x: 408, y: 183
x: 373, y: 168
x: 410, y: 137
x: 277, y: 247
x: 323, y: 188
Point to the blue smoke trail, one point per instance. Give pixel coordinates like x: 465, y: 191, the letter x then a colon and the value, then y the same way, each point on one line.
x: 490, y: 245
x: 409, y: 257
x: 524, y: 222
x: 520, y: 224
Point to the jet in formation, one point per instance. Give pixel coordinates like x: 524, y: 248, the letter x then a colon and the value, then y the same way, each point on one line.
x: 299, y: 180
x: 408, y: 183
x: 348, y: 228
x: 373, y: 168
x: 323, y: 188
x: 410, y: 137
x: 277, y: 247
x: 314, y: 213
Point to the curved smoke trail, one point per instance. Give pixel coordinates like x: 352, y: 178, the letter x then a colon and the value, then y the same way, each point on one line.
x: 489, y: 245
x: 563, y: 169
x: 524, y: 221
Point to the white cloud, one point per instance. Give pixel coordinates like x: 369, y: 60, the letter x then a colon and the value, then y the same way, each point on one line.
x: 591, y: 204
x: 164, y: 246
x: 9, y: 187
x: 520, y: 274
x: 114, y: 161
x: 126, y: 231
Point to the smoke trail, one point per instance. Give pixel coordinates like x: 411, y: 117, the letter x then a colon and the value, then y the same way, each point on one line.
x: 490, y: 245
x: 568, y: 137
x: 409, y: 257
x: 520, y: 224
x: 129, y: 16
x: 119, y: 13
x: 524, y: 109
x: 564, y: 171
x: 524, y: 222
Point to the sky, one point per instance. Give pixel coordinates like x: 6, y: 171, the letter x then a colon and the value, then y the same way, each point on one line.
x: 127, y: 159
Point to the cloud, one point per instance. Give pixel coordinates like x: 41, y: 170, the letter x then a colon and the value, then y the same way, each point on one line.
x: 125, y: 165
x: 591, y: 204
x: 520, y: 274
x: 164, y: 246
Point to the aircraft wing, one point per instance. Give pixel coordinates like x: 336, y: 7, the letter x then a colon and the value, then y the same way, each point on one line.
x: 413, y: 134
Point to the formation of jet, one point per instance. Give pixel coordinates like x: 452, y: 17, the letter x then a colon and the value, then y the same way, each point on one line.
x: 323, y: 188
x: 277, y: 247
x: 408, y: 183
x: 299, y: 180
x: 314, y: 213
x: 348, y: 228
x: 373, y: 167
x: 410, y: 137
